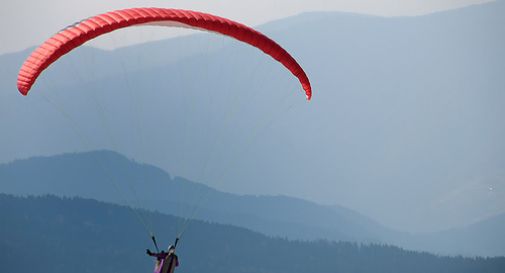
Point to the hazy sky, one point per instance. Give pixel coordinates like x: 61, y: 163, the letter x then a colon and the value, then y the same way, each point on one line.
x: 29, y: 22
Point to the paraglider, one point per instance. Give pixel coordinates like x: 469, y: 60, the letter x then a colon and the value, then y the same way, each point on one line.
x: 166, y: 262
x: 75, y: 35
x: 81, y: 32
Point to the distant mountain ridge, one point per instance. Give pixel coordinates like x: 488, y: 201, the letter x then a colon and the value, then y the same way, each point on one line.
x: 110, y: 177
x: 98, y: 174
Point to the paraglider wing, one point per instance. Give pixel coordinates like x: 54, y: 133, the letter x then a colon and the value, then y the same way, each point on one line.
x: 81, y: 32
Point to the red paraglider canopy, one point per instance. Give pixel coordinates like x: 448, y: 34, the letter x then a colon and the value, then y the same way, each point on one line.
x: 81, y: 32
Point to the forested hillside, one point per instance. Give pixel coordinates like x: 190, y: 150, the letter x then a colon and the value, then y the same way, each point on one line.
x: 57, y: 235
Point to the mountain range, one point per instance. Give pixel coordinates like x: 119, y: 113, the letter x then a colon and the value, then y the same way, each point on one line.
x: 110, y: 177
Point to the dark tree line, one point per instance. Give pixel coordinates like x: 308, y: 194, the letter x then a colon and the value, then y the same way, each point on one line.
x: 52, y: 235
